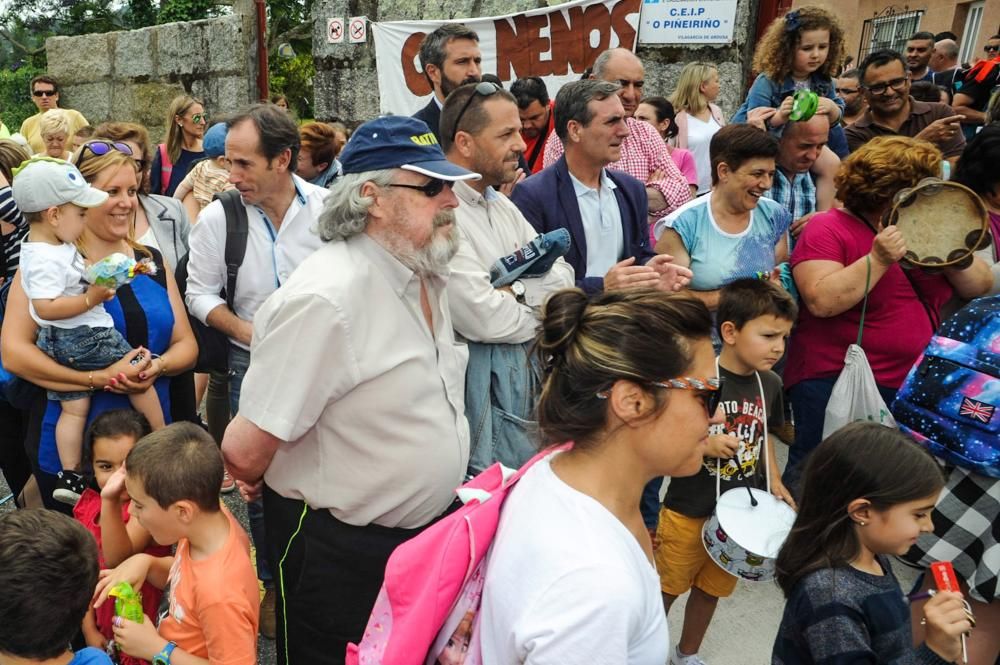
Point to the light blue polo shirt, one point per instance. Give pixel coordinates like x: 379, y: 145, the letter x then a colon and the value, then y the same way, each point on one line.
x: 602, y: 224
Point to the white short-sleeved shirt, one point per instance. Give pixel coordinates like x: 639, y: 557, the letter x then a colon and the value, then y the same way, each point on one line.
x: 54, y: 271
x: 568, y: 584
x: 699, y: 138
x: 369, y: 406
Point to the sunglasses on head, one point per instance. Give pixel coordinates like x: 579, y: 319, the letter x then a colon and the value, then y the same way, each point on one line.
x: 709, y: 391
x: 100, y: 148
x: 484, y: 89
x: 44, y: 93
x: 430, y: 189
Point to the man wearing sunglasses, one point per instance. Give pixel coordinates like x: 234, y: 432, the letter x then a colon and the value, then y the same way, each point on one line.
x: 892, y: 111
x: 973, y: 91
x: 352, y: 419
x: 480, y: 125
x: 603, y: 209
x: 45, y: 95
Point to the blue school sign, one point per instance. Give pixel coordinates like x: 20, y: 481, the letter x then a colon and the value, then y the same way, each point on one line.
x: 687, y: 21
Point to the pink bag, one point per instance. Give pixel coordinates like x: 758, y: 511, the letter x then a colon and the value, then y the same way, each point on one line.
x: 428, y: 609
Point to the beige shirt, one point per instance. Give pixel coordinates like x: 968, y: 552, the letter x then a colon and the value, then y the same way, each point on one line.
x: 491, y: 227
x: 30, y: 129
x: 369, y: 406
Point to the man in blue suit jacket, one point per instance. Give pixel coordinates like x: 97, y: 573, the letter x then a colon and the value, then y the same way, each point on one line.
x: 450, y: 57
x: 604, y: 211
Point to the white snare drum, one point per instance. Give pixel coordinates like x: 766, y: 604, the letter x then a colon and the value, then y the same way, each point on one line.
x: 743, y: 539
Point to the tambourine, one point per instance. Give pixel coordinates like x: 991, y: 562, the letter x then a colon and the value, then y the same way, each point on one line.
x: 805, y: 103
x: 942, y: 223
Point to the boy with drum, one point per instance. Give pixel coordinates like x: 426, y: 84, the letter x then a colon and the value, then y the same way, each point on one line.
x: 754, y: 317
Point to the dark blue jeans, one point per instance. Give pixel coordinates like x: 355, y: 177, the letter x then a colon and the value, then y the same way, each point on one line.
x: 239, y: 361
x: 809, y: 399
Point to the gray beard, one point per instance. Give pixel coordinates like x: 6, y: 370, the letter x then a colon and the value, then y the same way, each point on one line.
x: 433, y: 258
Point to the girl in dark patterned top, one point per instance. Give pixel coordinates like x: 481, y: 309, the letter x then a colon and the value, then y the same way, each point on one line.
x: 868, y: 493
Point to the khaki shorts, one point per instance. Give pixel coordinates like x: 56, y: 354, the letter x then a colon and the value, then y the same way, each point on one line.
x: 682, y: 561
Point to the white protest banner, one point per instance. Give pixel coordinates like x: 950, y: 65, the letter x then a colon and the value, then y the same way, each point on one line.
x: 687, y: 21
x: 556, y: 43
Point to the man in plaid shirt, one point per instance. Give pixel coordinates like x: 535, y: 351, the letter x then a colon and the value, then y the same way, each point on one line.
x: 644, y: 153
x: 793, y: 187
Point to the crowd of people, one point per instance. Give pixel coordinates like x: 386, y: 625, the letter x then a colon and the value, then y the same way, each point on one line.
x: 346, y: 326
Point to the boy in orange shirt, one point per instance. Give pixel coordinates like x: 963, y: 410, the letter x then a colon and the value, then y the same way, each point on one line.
x: 173, y: 477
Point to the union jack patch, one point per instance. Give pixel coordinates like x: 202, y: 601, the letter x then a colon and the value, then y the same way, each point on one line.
x: 977, y: 410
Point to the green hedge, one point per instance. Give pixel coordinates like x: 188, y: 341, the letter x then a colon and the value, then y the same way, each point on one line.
x: 15, y: 98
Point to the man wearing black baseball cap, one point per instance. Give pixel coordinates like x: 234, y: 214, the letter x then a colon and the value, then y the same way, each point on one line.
x: 352, y: 418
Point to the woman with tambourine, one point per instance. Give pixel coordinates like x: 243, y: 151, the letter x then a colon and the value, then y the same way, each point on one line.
x: 846, y: 253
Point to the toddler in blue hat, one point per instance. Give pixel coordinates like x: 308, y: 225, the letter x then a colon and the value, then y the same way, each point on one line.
x: 207, y: 177
x: 74, y: 328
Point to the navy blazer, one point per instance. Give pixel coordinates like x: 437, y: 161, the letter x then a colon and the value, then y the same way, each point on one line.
x: 548, y: 200
x: 431, y: 114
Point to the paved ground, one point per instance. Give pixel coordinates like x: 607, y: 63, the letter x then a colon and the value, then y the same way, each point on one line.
x: 742, y: 632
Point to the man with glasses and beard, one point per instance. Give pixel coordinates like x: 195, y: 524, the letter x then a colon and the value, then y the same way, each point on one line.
x: 973, y: 90
x: 45, y: 95
x: 849, y: 89
x: 450, y: 57
x: 892, y: 111
x: 352, y: 419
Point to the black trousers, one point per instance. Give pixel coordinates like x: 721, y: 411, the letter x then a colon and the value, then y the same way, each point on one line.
x: 328, y: 576
x: 14, y: 463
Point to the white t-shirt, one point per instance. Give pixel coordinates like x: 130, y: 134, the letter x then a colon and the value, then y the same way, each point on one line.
x: 51, y: 271
x: 568, y: 584
x: 700, y: 135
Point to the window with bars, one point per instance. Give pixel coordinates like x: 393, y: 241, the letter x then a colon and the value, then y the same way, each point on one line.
x: 888, y: 31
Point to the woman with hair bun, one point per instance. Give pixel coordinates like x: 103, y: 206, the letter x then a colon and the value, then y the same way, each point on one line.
x: 630, y: 382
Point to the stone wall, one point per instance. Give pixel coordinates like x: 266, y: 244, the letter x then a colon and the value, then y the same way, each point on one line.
x: 132, y: 76
x: 346, y: 85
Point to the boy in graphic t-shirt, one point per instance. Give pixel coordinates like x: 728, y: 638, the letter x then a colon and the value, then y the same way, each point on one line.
x: 755, y: 317
x: 173, y: 477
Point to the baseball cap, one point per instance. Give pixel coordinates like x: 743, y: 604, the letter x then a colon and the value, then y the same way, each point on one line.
x: 43, y: 182
x: 399, y: 142
x: 214, y: 141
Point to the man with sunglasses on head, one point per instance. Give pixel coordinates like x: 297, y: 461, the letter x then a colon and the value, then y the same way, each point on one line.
x: 972, y: 92
x: 480, y: 128
x: 262, y: 146
x: 352, y: 419
x: 45, y: 95
x: 893, y: 112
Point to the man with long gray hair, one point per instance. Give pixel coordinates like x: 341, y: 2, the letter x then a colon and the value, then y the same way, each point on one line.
x: 352, y: 419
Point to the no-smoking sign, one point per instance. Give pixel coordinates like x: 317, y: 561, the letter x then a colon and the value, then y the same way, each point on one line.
x: 357, y: 30
x: 335, y: 31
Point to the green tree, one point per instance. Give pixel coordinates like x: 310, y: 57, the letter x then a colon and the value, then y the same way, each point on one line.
x: 186, y: 10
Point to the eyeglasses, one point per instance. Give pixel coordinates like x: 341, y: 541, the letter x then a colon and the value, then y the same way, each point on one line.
x: 430, y: 189
x: 199, y: 118
x: 100, y: 148
x: 484, y: 89
x: 880, y: 88
x: 991, y: 48
x: 846, y: 91
x: 709, y: 390
x: 44, y: 93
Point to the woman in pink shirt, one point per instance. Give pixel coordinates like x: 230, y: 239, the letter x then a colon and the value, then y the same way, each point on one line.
x: 831, y: 264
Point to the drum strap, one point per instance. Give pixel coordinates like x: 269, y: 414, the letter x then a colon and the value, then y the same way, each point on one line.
x: 763, y: 451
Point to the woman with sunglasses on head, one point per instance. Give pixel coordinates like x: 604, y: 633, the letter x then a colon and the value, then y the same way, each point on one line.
x: 148, y: 312
x: 570, y: 577
x: 186, y: 123
x: 159, y: 221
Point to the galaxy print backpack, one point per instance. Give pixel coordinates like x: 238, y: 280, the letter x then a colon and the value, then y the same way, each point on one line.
x: 948, y: 402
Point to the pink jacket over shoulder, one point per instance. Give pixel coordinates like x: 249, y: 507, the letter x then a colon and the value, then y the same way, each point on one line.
x: 682, y: 124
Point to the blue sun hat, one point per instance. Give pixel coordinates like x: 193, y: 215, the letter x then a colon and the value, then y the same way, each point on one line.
x: 214, y: 141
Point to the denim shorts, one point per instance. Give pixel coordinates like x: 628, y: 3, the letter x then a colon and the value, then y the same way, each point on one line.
x: 82, y: 348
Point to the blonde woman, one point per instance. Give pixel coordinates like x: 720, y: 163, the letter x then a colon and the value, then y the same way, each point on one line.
x: 54, y: 128
x: 186, y: 122
x: 698, y: 118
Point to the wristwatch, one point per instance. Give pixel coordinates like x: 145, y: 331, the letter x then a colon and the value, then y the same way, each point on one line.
x: 163, y: 658
x: 517, y: 288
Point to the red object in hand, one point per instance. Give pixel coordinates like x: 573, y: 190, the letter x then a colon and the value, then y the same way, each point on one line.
x: 944, y: 576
